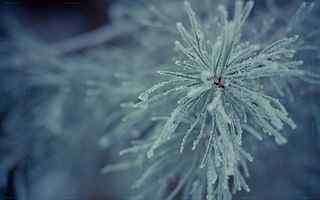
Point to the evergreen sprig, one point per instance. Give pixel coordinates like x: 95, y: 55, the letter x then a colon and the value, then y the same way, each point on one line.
x: 215, y: 95
x: 222, y: 81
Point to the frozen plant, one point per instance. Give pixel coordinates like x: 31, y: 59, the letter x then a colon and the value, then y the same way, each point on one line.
x: 215, y: 95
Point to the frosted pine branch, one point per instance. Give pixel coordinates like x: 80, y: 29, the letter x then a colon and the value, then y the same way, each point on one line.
x: 214, y: 94
x: 222, y: 81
